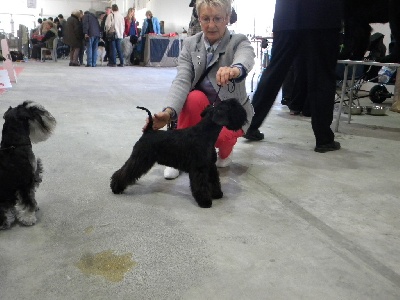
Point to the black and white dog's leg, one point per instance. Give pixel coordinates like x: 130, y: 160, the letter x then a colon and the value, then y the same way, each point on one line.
x: 199, y: 184
x: 38, y: 172
x: 7, y: 214
x: 136, y: 166
x: 26, y: 206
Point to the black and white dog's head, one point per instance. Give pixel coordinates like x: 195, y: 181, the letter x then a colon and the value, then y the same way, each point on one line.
x: 229, y: 113
x: 28, y: 119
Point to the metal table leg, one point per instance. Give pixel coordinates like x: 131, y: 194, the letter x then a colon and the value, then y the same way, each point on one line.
x: 346, y: 71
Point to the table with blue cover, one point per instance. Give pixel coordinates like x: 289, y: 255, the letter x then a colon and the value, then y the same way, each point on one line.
x: 161, y: 51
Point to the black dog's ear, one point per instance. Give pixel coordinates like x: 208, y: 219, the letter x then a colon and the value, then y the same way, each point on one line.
x: 206, y: 111
x: 235, y: 113
x: 237, y: 116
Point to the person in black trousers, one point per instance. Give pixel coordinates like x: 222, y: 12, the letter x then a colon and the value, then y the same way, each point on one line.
x: 309, y: 29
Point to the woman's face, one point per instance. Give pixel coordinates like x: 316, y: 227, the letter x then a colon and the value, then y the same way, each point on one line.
x: 213, y: 22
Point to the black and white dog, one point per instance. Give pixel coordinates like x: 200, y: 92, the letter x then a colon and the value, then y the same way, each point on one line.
x: 20, y: 171
x: 190, y: 150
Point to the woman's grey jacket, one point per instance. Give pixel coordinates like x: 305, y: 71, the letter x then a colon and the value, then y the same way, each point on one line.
x: 233, y: 49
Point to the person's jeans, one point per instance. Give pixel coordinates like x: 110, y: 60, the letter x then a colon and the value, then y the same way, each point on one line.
x: 116, y: 48
x: 91, y: 50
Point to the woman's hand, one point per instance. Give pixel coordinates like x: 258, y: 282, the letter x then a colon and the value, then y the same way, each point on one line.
x: 224, y: 74
x: 159, y: 120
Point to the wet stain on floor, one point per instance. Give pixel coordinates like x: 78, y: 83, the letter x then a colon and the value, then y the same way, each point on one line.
x: 107, y: 264
x: 89, y: 230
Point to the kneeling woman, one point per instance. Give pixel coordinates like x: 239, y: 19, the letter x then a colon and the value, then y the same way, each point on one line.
x: 212, y: 67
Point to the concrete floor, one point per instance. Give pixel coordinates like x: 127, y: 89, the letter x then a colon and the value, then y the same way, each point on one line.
x: 293, y: 224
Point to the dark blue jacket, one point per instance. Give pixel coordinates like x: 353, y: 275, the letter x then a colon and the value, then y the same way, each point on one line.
x: 90, y: 24
x: 307, y: 14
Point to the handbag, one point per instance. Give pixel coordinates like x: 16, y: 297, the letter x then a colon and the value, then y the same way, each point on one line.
x: 111, y: 35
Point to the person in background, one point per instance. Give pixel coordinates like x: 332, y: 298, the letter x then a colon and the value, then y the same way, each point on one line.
x: 38, y: 28
x: 194, y: 25
x: 63, y: 22
x: 91, y: 31
x: 116, y: 20
x: 150, y: 24
x: 213, y: 66
x: 131, y: 31
x: 309, y: 30
x: 103, y: 32
x: 73, y: 36
x: 58, y: 25
x: 130, y: 23
x: 37, y: 34
x: 82, y: 48
x: 47, y: 40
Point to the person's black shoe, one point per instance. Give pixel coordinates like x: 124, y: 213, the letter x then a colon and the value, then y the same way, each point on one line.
x: 294, y: 112
x: 327, y: 147
x: 285, y: 101
x: 254, y: 135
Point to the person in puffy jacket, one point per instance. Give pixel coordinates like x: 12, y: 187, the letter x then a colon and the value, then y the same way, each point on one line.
x: 73, y: 36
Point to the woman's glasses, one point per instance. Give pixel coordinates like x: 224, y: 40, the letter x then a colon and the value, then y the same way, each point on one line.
x: 216, y: 20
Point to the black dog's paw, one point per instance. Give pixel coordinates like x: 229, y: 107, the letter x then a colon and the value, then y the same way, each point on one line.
x: 116, y: 187
x: 217, y: 194
x: 205, y: 204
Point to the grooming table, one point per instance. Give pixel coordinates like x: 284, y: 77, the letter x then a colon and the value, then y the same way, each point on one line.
x: 355, y: 63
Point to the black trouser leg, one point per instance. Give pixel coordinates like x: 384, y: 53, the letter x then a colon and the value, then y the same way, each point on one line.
x: 283, y: 51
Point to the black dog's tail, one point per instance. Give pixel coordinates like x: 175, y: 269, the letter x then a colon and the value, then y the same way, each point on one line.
x: 150, y: 123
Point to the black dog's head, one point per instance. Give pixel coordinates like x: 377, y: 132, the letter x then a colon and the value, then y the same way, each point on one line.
x: 29, y: 118
x: 229, y: 113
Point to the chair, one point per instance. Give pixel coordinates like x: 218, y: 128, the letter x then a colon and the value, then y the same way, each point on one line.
x: 53, y: 51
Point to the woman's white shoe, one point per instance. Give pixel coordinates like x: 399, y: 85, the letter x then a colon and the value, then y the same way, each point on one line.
x: 222, y: 163
x: 170, y: 173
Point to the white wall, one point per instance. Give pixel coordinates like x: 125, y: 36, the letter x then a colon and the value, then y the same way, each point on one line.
x: 384, y: 29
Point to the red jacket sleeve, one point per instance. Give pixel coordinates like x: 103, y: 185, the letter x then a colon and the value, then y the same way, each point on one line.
x: 127, y: 25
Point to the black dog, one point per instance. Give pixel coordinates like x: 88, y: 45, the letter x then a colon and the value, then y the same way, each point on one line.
x: 20, y: 171
x: 190, y: 150
x: 358, y: 14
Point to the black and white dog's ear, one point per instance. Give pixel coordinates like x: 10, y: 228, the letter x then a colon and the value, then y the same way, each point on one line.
x: 4, y: 116
x: 41, y: 122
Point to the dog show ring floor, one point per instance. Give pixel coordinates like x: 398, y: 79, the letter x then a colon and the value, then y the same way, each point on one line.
x: 293, y: 223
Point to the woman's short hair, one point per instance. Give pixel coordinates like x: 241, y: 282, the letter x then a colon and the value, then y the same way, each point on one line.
x: 76, y: 13
x: 149, y: 13
x: 224, y: 4
x: 48, y: 22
